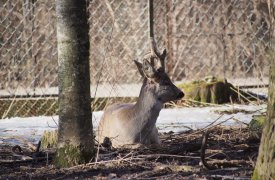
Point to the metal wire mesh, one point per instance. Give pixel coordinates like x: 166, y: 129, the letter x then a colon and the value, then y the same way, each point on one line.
x: 227, y: 39
x: 222, y: 38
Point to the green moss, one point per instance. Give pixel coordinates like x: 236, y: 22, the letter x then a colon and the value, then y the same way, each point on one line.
x: 214, y: 90
x: 256, y: 126
x: 208, y: 90
x: 257, y: 122
x: 70, y: 155
x: 255, y: 175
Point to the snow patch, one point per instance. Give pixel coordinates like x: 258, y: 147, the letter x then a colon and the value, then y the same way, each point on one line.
x: 176, y: 120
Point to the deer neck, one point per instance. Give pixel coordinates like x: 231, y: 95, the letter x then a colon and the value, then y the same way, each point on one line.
x: 147, y: 107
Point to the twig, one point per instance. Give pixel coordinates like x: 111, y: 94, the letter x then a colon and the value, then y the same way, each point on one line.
x: 217, y: 154
x: 115, y: 24
x: 165, y: 155
x: 97, y: 152
x: 50, y: 126
x: 240, y: 94
x: 240, y: 121
x: 101, y: 68
x: 103, y: 162
x: 173, y: 104
x: 251, y: 161
x: 5, y: 114
x: 230, y: 163
x: 203, y: 149
x: 55, y: 121
x: 210, y: 125
x: 215, y: 121
x: 229, y: 177
x: 229, y: 169
x: 100, y: 162
x: 203, y: 103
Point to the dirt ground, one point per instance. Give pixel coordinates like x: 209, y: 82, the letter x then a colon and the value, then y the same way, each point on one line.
x: 227, y: 153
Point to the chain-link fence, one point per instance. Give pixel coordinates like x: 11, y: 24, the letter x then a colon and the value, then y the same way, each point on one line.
x: 223, y: 38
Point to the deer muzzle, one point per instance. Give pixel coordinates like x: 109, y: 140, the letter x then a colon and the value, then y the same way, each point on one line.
x: 180, y: 95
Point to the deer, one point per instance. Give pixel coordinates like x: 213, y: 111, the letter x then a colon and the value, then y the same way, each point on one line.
x: 126, y: 124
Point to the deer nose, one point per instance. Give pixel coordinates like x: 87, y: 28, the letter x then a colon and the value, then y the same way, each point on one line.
x: 180, y: 95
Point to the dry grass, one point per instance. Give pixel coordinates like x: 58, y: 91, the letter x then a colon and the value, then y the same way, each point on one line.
x: 230, y: 151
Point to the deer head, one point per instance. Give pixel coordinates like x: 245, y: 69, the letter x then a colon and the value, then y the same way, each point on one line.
x: 152, y: 69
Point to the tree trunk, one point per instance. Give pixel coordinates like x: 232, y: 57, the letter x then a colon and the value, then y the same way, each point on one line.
x: 75, y: 132
x: 265, y: 167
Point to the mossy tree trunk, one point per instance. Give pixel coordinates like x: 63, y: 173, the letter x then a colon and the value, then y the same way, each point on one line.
x: 75, y: 131
x: 265, y: 167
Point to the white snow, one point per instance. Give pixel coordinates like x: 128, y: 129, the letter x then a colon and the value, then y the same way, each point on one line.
x: 177, y: 120
x: 31, y: 128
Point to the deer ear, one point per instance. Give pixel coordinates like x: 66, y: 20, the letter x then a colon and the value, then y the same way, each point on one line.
x: 140, y: 68
x: 148, y: 69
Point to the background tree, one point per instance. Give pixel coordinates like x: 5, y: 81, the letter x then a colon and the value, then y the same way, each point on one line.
x: 75, y: 131
x: 265, y: 167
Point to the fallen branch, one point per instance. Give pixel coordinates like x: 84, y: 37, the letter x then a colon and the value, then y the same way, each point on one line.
x: 165, y: 155
x: 203, y: 149
x: 29, y: 159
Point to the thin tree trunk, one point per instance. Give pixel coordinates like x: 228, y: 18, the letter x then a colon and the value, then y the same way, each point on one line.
x: 169, y: 36
x: 28, y: 38
x: 75, y: 131
x: 265, y: 167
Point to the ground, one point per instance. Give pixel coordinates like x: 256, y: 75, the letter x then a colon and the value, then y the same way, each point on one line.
x: 230, y: 152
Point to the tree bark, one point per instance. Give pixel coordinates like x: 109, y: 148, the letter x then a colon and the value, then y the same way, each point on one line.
x: 265, y: 167
x: 75, y: 131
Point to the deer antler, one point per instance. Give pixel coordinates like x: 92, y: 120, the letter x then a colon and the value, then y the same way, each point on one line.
x: 155, y: 52
x: 154, y: 49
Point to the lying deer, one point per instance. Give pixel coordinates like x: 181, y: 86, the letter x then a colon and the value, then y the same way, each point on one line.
x: 136, y: 123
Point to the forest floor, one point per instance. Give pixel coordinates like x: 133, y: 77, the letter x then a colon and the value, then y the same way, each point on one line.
x: 214, y: 152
